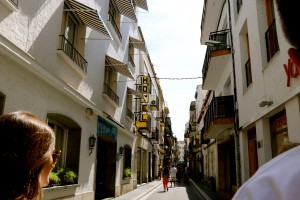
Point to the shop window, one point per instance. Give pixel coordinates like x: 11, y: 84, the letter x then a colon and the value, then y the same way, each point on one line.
x: 279, y: 131
x: 127, y: 161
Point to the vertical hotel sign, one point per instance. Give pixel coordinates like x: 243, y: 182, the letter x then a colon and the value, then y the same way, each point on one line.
x: 144, y: 104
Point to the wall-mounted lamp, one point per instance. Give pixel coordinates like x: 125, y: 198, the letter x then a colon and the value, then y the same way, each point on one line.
x: 92, y: 143
x: 120, y: 154
x: 265, y: 103
x: 89, y: 112
x: 213, y: 43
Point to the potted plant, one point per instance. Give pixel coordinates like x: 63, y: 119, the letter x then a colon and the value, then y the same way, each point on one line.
x: 68, y: 176
x: 54, y: 179
x: 127, y: 172
x: 62, y: 176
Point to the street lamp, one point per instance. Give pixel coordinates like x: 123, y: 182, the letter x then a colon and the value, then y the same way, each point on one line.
x: 213, y: 43
x: 92, y: 143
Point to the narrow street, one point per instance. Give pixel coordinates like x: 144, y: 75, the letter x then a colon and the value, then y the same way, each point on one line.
x: 180, y: 191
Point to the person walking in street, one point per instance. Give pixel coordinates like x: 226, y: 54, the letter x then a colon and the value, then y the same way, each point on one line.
x: 173, y: 172
x: 165, y: 177
x: 280, y: 177
x: 160, y: 172
x: 27, y: 156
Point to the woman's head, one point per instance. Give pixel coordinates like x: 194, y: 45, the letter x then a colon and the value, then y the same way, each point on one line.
x: 26, y: 147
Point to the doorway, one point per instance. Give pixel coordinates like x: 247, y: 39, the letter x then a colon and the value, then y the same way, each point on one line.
x: 106, y: 168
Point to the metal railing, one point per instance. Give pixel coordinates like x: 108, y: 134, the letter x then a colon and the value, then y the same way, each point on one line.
x: 129, y: 113
x: 271, y: 41
x: 220, y: 107
x: 71, y: 52
x: 109, y: 92
x: 219, y: 36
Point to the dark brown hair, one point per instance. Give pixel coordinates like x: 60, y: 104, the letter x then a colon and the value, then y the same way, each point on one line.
x: 289, y: 14
x: 26, y: 144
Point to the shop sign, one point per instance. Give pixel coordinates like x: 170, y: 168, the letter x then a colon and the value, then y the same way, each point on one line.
x: 291, y: 71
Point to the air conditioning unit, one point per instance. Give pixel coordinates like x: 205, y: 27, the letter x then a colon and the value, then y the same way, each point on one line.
x: 153, y: 105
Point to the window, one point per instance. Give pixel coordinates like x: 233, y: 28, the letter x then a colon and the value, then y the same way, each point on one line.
x: 246, y: 58
x: 70, y: 30
x: 69, y: 45
x: 129, y: 101
x: 248, y: 72
x: 131, y: 54
x: 68, y: 135
x: 239, y: 4
x: 127, y: 160
x: 110, y: 85
x: 271, y: 34
x: 114, y: 17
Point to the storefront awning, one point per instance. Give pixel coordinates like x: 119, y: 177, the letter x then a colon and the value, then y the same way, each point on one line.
x: 88, y: 16
x: 136, y: 93
x: 140, y: 45
x: 120, y: 67
x: 142, y: 4
x: 125, y: 8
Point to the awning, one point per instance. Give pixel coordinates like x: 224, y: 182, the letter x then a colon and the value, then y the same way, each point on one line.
x: 88, y: 16
x: 142, y: 4
x: 136, y: 93
x: 125, y: 8
x: 140, y: 45
x: 120, y: 67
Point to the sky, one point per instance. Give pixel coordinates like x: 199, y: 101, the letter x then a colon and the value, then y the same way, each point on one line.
x: 171, y: 29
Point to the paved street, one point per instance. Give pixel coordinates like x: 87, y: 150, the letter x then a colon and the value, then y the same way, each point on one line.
x: 181, y: 191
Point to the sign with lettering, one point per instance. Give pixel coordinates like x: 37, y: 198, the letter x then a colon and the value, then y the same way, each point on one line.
x: 291, y: 71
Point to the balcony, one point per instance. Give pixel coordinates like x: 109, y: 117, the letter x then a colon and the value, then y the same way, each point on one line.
x: 219, y: 117
x: 192, y: 128
x: 108, y: 92
x: 154, y: 136
x: 72, y: 56
x: 129, y: 114
x: 210, y: 18
x: 216, y: 58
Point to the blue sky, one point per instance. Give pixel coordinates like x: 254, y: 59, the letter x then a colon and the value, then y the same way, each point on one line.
x: 171, y: 29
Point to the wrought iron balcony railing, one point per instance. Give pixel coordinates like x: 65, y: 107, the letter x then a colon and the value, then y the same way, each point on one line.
x: 223, y: 37
x: 72, y: 53
x: 129, y: 114
x: 220, y: 107
x: 110, y: 93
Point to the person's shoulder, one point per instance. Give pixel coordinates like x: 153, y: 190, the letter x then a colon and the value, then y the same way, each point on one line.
x: 274, y: 178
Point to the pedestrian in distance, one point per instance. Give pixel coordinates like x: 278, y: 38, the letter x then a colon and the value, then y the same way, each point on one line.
x: 280, y: 177
x: 165, y: 177
x: 160, y: 172
x: 27, y: 156
x: 173, y: 172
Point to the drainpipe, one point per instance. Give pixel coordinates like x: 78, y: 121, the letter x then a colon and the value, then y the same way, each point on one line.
x: 236, y: 111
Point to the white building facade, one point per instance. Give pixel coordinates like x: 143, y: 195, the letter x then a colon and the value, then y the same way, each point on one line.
x: 77, y: 65
x: 261, y: 77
